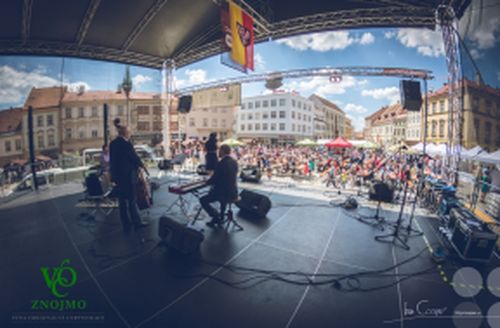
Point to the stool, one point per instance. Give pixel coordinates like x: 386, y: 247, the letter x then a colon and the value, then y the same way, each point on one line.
x: 228, y: 217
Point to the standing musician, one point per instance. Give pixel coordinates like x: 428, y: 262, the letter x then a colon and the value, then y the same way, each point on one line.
x: 211, y: 153
x: 224, y: 188
x: 124, y: 166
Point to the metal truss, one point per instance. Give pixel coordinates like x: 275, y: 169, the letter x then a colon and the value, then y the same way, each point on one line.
x: 397, y: 72
x: 447, y: 20
x: 26, y: 20
x: 150, y: 14
x: 87, y: 19
x: 48, y: 48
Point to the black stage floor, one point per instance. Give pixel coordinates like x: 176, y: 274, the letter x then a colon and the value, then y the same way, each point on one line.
x: 127, y: 280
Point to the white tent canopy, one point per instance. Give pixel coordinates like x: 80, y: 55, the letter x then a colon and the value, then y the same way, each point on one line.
x: 493, y: 158
x: 473, y: 152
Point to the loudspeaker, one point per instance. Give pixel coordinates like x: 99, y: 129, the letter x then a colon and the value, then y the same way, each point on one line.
x: 473, y: 241
x: 184, y: 105
x: 381, y: 192
x: 251, y: 174
x: 178, y: 236
x: 411, y: 98
x: 93, y: 184
x: 254, y: 203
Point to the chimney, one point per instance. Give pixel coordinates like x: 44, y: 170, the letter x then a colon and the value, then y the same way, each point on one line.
x: 81, y: 89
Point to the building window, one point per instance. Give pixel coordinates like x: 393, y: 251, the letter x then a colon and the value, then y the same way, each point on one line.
x: 250, y: 105
x: 489, y: 107
x: 293, y: 102
x: 214, y: 110
x: 441, y: 106
x: 250, y: 116
x: 282, y: 114
x: 192, y: 122
x: 293, y: 115
x: 265, y: 115
x: 68, y: 112
x: 273, y: 103
x: 293, y: 127
x: 264, y: 126
x: 223, y: 123
x: 243, y: 106
x: 157, y: 126
x: 41, y: 141
x: 18, y: 144
x: 487, y: 132
x: 257, y: 126
x: 273, y: 114
x: 7, y: 146
x: 475, y: 103
x: 265, y: 103
x: 81, y: 134
x: 282, y: 126
x: 282, y: 101
x: 249, y: 127
x: 39, y: 120
x: 476, y: 129
x: 120, y: 110
x: 143, y: 126
x: 81, y: 112
x: 156, y: 110
x: 94, y: 133
x: 143, y: 110
x: 214, y: 122
x: 205, y: 122
x: 68, y: 134
x: 257, y: 116
x: 50, y: 120
x: 257, y: 104
x: 242, y: 117
x: 433, y: 129
x: 434, y: 106
x: 51, y: 140
x: 94, y: 111
x: 242, y: 127
x: 441, y: 128
x: 273, y: 126
x: 299, y: 116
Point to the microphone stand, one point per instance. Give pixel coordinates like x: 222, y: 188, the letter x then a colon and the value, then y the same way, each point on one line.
x: 394, y: 237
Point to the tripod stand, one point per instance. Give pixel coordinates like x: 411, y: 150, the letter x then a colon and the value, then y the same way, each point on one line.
x: 394, y: 237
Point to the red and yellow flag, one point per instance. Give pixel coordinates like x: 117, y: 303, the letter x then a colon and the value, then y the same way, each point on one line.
x: 242, y: 38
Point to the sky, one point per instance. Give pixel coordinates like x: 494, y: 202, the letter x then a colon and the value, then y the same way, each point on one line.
x: 357, y: 96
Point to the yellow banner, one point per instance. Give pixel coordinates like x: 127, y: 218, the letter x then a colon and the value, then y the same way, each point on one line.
x: 237, y: 49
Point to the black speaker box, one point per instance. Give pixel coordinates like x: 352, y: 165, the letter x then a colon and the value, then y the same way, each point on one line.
x: 381, y: 192
x: 178, y: 236
x: 93, y: 184
x: 254, y: 203
x: 184, y: 104
x: 473, y: 241
x: 411, y: 98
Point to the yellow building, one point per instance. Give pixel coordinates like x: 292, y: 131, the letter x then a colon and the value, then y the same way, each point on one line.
x: 11, y: 141
x: 481, y: 117
x: 348, y: 130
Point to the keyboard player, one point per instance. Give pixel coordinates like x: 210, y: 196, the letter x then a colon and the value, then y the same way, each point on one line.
x: 223, y: 186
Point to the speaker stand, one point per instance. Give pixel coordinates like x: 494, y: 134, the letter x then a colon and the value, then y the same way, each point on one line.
x: 379, y: 220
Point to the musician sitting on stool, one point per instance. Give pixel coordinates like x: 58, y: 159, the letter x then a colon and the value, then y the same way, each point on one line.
x: 224, y: 188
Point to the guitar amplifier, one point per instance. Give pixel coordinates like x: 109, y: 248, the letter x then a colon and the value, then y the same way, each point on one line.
x: 473, y: 240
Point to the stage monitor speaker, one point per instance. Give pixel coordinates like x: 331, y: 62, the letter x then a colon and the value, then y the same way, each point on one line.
x: 411, y: 98
x: 254, y: 203
x: 179, y: 236
x: 251, y: 174
x: 184, y: 106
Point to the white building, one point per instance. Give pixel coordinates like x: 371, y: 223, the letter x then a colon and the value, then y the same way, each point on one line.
x: 413, y: 127
x: 278, y: 118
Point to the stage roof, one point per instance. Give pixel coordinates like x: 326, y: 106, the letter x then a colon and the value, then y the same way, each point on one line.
x: 147, y: 32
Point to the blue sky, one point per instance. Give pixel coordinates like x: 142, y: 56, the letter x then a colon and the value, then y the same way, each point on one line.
x: 357, y: 96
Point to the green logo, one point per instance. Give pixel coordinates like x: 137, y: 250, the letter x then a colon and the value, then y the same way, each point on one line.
x: 58, y: 278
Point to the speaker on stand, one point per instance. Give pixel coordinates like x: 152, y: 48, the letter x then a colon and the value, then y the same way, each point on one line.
x: 411, y: 97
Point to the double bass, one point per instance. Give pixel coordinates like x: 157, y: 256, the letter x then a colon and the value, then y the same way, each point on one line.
x: 144, y: 197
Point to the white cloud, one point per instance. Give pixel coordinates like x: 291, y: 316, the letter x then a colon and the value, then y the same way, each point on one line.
x: 476, y: 54
x: 75, y: 86
x: 427, y: 42
x: 140, y: 79
x: 321, y: 85
x: 193, y: 77
x: 366, y: 38
x: 15, y: 84
x: 259, y: 61
x: 355, y: 108
x: 390, y: 34
x: 362, y: 82
x: 389, y: 93
x: 326, y: 41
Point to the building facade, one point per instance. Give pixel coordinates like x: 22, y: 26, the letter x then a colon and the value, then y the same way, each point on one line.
x: 334, y: 117
x: 348, y: 129
x: 276, y: 118
x: 413, y: 127
x: 388, y: 125
x: 11, y: 139
x: 200, y: 122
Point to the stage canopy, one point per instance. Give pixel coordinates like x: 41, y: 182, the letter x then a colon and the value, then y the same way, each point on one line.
x: 147, y: 32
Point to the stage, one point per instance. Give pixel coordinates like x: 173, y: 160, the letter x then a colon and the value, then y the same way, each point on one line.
x: 128, y: 280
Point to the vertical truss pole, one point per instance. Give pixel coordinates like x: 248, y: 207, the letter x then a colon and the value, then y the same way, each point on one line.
x: 167, y: 95
x: 447, y: 20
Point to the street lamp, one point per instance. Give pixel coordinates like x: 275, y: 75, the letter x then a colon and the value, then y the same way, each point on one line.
x: 127, y: 87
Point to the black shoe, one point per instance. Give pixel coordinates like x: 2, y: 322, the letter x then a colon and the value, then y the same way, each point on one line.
x: 214, y: 223
x: 140, y: 225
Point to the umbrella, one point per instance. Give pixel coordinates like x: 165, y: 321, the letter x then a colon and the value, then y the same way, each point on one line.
x: 232, y: 142
x: 306, y: 142
x: 369, y: 145
x: 339, y: 143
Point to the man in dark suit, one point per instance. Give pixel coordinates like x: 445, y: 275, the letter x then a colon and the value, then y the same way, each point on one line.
x: 124, y: 166
x: 224, y: 188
